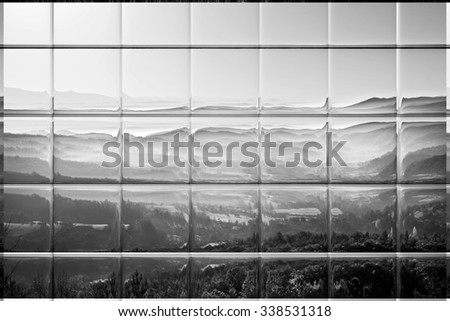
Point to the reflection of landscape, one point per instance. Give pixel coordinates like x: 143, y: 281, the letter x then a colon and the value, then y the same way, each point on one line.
x: 423, y: 278
x: 155, y: 218
x: 421, y: 105
x: 86, y: 219
x: 155, y: 278
x: 241, y: 132
x: 448, y: 278
x: 363, y: 219
x: 370, y: 278
x: 154, y: 135
x: 374, y: 105
x: 27, y: 151
x: 26, y: 277
x: 294, y: 219
x: 369, y: 152
x: 313, y: 131
x: 224, y: 278
x: 78, y: 151
x: 423, y: 219
x: 295, y: 279
x: 26, y: 219
x: 225, y: 219
x: 86, y: 277
x: 422, y: 152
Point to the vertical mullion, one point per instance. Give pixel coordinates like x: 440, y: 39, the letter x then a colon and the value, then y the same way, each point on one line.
x: 119, y: 230
x: 52, y: 148
x: 191, y: 237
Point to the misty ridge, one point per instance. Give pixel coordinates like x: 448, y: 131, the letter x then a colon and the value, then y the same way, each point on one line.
x: 78, y: 157
x: 302, y: 171
x: 423, y: 152
x: 370, y: 153
x: 134, y: 173
x: 26, y: 157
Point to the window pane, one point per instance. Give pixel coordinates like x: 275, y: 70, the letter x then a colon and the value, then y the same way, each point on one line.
x: 86, y: 277
x: 363, y: 218
x: 27, y: 218
x: 225, y: 80
x: 29, y: 277
x: 87, y: 150
x: 291, y: 278
x: 149, y: 277
x: 156, y: 80
x: 28, y: 79
x: 156, y: 23
x: 87, y: 23
x: 225, y: 23
x: 27, y: 150
x: 86, y: 218
x: 149, y: 155
x: 294, y: 23
x: 294, y: 218
x: 223, y: 142
x: 422, y: 150
x: 422, y: 23
x: 366, y: 150
x: 363, y: 81
x: 362, y: 23
x: 225, y: 218
x: 423, y: 277
x: 422, y: 81
x: 87, y: 80
x: 210, y: 275
x: 422, y: 218
x: 299, y: 150
x: 351, y: 280
x: 294, y: 81
x: 27, y: 23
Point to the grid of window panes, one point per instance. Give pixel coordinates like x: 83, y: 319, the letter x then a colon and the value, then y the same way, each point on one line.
x: 77, y: 76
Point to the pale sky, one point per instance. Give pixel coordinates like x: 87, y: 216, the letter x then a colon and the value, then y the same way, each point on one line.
x: 294, y: 76
x: 156, y: 23
x: 225, y: 75
x: 247, y: 123
x: 28, y: 69
x: 27, y: 23
x: 156, y: 73
x: 225, y: 23
x: 357, y: 75
x: 83, y: 125
x: 422, y: 72
x: 93, y: 71
x: 22, y: 125
x: 294, y: 23
x: 87, y: 23
x: 422, y: 23
x: 139, y: 126
x: 362, y: 23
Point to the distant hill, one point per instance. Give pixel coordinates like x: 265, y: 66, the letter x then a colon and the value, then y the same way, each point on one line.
x: 423, y: 105
x: 373, y: 105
